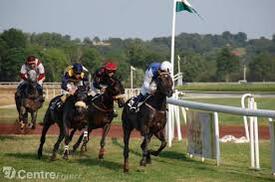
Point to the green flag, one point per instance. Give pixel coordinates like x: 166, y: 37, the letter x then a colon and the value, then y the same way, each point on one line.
x: 184, y: 5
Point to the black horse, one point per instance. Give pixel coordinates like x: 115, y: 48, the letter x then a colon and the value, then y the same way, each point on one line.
x: 72, y: 115
x: 100, y: 113
x: 28, y: 100
x: 149, y: 120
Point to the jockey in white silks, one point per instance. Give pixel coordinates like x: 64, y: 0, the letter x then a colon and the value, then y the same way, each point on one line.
x: 149, y: 86
x: 32, y: 64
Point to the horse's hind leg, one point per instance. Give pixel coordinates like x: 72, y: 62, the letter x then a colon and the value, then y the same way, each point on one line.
x: 43, y: 139
x: 161, y: 137
x: 106, y: 130
x: 126, y: 138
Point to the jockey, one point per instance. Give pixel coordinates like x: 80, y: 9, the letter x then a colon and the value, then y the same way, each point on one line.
x: 100, y: 77
x: 74, y: 76
x: 32, y: 63
x: 149, y: 86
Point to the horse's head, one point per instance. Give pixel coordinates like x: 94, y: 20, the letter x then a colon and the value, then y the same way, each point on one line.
x: 165, y: 83
x: 32, y: 76
x: 80, y: 96
x: 116, y: 90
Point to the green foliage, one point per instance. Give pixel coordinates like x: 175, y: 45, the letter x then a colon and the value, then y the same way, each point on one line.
x: 14, y: 38
x: 227, y: 64
x: 55, y: 62
x: 204, y: 57
x: 262, y: 67
x: 11, y: 64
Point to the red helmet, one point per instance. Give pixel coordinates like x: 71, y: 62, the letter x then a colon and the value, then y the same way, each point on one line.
x: 30, y: 60
x: 110, y: 66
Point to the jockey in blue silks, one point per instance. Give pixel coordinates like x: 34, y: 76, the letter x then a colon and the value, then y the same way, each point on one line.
x: 149, y: 86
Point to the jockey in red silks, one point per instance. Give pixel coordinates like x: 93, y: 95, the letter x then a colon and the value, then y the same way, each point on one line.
x: 32, y: 63
x: 100, y: 78
x: 107, y: 71
x: 149, y: 85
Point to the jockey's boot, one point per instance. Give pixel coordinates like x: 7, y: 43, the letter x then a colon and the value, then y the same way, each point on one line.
x: 134, y: 107
x: 58, y: 103
x: 113, y: 114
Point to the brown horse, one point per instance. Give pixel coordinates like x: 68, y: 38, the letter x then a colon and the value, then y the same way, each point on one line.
x: 100, y: 114
x: 28, y: 100
x: 149, y: 120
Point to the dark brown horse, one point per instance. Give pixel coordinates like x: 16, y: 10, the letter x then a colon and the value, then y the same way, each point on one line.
x: 149, y: 120
x: 72, y: 115
x: 100, y: 113
x: 28, y: 100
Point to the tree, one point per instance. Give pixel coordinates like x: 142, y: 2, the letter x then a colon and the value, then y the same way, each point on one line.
x: 227, y: 64
x: 14, y: 38
x: 262, y: 68
x: 11, y: 64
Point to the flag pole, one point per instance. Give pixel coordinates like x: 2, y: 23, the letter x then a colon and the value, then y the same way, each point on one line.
x: 173, y: 38
x: 169, y: 125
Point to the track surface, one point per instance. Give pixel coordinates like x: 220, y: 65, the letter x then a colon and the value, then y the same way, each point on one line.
x: 116, y: 131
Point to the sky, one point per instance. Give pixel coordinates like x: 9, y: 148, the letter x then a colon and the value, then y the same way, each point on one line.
x: 143, y: 19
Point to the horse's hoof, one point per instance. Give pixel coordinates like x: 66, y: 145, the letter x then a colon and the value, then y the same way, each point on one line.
x: 65, y: 157
x: 53, y: 157
x: 141, y: 169
x: 142, y: 163
x: 148, y: 161
x: 126, y: 170
x: 154, y: 153
x: 100, y: 157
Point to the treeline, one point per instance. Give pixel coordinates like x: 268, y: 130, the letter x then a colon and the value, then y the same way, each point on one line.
x: 204, y: 58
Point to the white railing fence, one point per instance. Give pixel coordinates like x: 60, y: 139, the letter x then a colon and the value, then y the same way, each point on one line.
x: 174, y: 104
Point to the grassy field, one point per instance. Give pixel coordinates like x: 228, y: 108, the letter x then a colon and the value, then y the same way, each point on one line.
x: 249, y: 87
x: 228, y: 119
x: 19, y: 152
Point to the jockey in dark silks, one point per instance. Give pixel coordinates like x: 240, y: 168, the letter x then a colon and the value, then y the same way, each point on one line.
x: 101, y: 77
x: 74, y: 76
x: 32, y: 63
x: 149, y: 86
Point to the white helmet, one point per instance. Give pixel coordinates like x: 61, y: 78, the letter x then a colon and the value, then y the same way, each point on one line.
x: 166, y: 66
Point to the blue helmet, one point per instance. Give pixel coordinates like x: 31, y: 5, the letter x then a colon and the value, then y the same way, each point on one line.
x: 77, y: 68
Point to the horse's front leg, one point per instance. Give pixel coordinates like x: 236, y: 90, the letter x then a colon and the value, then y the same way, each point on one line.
x: 86, y: 137
x: 22, y: 117
x: 148, y: 157
x: 67, y: 141
x: 60, y: 138
x: 33, y: 122
x: 161, y: 137
x: 144, y: 148
x: 106, y: 130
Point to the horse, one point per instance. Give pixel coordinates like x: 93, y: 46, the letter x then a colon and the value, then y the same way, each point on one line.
x: 149, y: 120
x: 100, y: 114
x: 28, y: 100
x: 72, y: 115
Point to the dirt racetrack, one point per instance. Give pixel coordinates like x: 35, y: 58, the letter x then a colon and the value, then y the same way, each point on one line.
x: 116, y: 131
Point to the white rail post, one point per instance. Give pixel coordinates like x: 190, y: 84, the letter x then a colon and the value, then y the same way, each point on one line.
x: 177, y: 115
x: 256, y: 140
x: 217, y: 137
x: 272, y: 138
x: 251, y: 119
x: 245, y: 117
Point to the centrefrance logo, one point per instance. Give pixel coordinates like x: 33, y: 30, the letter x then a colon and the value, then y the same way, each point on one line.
x: 10, y: 172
